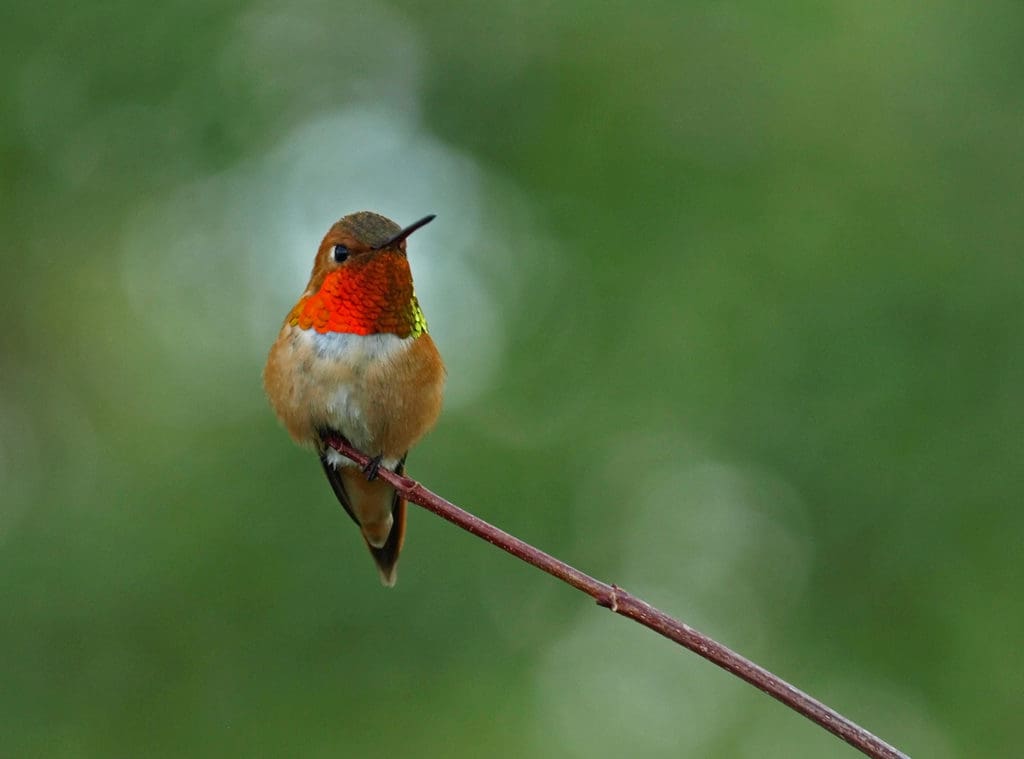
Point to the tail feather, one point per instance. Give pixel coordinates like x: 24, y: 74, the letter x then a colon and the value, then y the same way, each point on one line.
x: 385, y: 555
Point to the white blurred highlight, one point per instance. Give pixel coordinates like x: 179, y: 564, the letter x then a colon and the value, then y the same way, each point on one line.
x: 213, y: 269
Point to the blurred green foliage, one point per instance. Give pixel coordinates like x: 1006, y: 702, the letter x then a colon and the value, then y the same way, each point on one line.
x: 731, y: 297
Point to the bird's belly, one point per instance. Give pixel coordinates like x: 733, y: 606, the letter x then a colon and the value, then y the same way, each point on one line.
x: 342, y: 382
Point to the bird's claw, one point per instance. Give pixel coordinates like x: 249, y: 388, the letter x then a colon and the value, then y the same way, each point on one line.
x: 372, y: 468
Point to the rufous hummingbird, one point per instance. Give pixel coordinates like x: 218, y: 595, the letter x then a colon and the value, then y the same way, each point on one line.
x: 354, y: 359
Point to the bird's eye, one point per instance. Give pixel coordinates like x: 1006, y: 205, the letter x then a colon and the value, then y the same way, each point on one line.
x: 340, y: 253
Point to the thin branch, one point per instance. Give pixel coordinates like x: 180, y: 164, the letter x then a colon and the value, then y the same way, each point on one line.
x: 621, y: 602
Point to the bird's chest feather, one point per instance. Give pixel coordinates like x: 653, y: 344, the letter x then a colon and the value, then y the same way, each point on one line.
x: 337, y: 380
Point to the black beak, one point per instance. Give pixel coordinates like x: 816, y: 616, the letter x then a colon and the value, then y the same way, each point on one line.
x: 406, y: 232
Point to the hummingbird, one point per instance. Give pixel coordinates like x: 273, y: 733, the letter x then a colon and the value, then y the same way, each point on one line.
x: 353, y: 359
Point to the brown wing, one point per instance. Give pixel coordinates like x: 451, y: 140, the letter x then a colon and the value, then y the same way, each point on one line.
x: 386, y: 556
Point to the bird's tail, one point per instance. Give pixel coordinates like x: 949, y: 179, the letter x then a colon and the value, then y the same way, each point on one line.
x: 377, y: 510
x: 386, y: 556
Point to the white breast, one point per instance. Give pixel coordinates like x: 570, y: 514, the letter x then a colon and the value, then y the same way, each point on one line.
x: 355, y: 350
x: 340, y: 362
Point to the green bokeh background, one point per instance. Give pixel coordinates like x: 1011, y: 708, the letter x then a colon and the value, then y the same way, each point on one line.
x: 731, y: 298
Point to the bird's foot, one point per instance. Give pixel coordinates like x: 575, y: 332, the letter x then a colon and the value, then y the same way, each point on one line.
x: 372, y: 468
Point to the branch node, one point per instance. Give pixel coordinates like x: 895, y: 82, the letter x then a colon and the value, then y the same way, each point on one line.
x: 610, y: 599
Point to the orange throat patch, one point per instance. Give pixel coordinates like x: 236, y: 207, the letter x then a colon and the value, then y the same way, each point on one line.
x: 368, y: 298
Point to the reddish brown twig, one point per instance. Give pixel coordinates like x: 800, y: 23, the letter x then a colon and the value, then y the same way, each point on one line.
x: 619, y: 601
